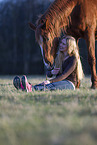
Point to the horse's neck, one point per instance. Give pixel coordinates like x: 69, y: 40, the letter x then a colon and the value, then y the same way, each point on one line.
x: 59, y: 9
x: 58, y: 13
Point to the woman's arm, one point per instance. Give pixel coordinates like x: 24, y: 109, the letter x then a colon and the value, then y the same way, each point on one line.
x: 55, y: 71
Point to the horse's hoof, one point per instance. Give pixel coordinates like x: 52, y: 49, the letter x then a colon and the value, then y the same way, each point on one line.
x: 94, y: 86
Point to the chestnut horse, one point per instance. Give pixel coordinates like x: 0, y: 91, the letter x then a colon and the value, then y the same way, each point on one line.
x: 77, y: 18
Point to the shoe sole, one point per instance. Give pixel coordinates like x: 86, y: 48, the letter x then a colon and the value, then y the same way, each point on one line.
x: 17, y: 82
x: 23, y: 80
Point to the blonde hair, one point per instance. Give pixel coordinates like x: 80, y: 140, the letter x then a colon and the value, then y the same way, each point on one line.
x: 72, y: 49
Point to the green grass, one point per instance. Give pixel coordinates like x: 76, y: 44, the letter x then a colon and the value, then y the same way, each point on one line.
x: 47, y: 118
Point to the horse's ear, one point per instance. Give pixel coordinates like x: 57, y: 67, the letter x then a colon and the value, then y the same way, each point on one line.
x: 32, y: 26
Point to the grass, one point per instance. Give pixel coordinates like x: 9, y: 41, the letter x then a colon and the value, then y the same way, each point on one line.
x: 47, y: 118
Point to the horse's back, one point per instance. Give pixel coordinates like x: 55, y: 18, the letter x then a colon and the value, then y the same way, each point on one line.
x: 87, y: 12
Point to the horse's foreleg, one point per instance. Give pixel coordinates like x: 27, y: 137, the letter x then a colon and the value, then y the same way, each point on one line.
x: 91, y: 57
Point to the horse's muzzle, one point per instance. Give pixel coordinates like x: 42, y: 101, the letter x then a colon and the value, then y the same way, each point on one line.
x: 49, y: 67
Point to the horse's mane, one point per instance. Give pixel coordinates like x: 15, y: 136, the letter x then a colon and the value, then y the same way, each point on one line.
x: 58, y: 7
x: 57, y: 15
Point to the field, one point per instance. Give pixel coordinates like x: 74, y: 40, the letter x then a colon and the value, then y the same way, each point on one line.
x: 47, y: 118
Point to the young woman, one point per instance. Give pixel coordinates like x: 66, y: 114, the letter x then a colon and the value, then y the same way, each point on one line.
x: 67, y: 71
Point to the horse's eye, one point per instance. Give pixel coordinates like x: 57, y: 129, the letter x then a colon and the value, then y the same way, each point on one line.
x: 47, y: 39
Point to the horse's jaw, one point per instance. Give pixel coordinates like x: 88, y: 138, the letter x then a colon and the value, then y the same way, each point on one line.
x: 46, y: 64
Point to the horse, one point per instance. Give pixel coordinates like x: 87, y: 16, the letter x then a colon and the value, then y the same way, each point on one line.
x: 77, y: 18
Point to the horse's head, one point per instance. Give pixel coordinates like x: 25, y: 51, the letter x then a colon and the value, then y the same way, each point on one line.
x: 47, y: 42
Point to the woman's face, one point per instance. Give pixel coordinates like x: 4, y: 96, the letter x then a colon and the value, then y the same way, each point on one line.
x: 63, y: 45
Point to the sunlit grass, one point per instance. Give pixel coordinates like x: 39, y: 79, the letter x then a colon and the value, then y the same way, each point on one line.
x: 47, y: 118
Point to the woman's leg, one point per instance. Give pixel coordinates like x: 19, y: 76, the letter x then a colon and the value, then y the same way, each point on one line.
x: 61, y: 85
x: 24, y: 85
x: 40, y: 87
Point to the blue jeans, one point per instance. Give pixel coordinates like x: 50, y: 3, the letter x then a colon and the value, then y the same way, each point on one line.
x: 61, y: 85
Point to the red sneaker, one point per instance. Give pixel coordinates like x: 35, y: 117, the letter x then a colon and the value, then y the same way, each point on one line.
x: 25, y: 85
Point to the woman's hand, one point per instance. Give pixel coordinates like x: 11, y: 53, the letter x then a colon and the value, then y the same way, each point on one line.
x: 45, y: 82
x: 55, y: 71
